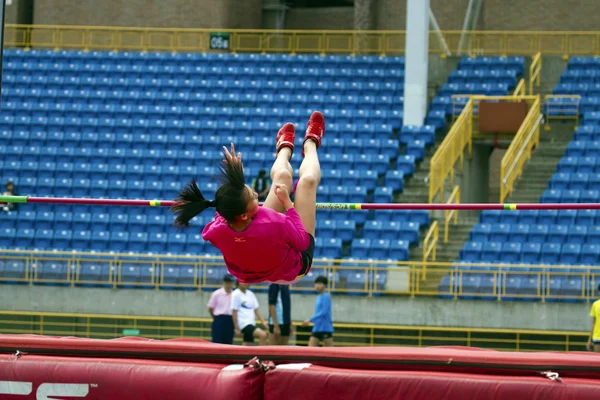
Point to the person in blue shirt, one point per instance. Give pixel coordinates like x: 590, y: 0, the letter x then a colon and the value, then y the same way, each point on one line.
x: 280, y: 315
x: 322, y: 320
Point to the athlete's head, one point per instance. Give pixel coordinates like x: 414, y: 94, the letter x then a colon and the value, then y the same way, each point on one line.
x: 234, y: 199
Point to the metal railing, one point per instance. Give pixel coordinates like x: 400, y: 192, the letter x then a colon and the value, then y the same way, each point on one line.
x: 376, y: 277
x: 113, y: 326
x: 450, y: 214
x: 481, y: 43
x: 525, y: 140
x: 430, y: 246
x: 561, y: 107
x: 451, y: 151
x: 535, y: 72
x: 520, y: 89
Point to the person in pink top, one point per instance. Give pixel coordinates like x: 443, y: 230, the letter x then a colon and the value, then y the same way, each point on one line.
x: 273, y: 243
x: 219, y: 307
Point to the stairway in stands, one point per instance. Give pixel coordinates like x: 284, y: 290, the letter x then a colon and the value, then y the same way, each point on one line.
x: 539, y: 169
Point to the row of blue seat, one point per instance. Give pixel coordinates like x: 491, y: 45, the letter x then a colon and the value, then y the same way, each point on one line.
x: 93, y: 113
x: 546, y: 253
x: 584, y: 89
x: 47, y: 175
x: 542, y: 217
x: 589, y: 165
x: 170, y: 278
x: 195, y: 58
x: 534, y: 233
x: 200, y: 97
x: 343, y: 86
x: 26, y: 73
x: 518, y: 288
x: 449, y: 89
x: 210, y: 126
x: 575, y: 181
x: 570, y: 196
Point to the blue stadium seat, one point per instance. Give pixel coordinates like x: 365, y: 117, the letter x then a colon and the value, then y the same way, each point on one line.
x: 380, y: 249
x: 360, y: 248
x: 491, y: 251
x: 332, y: 248
x: 570, y: 254
x: 471, y: 251
x: 590, y: 254
x: 550, y: 253
x: 480, y: 233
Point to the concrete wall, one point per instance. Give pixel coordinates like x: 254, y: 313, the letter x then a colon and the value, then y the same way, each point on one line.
x: 540, y: 15
x: 379, y: 310
x: 150, y: 13
x: 331, y: 18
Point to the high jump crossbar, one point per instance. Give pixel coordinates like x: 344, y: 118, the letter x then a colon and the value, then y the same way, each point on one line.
x: 319, y: 206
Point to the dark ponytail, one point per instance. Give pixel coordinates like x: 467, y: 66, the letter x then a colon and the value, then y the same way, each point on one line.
x: 230, y: 201
x: 191, y: 202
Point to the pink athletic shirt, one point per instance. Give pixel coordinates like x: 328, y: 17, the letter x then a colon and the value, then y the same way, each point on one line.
x: 269, y: 250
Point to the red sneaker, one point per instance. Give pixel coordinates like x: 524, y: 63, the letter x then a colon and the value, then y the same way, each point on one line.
x: 315, y: 129
x: 285, y: 137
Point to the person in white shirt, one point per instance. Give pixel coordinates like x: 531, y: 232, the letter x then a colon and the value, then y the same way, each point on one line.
x: 244, y: 311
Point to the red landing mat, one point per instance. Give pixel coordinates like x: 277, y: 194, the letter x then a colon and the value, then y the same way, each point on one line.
x: 342, y: 384
x: 49, y: 377
x: 442, y: 359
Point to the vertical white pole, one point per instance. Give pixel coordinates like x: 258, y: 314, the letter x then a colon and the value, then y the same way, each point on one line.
x: 415, y: 67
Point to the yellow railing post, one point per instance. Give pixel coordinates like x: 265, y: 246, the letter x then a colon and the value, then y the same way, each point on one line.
x: 449, y: 214
x: 535, y: 72
x: 430, y: 246
x: 520, y: 89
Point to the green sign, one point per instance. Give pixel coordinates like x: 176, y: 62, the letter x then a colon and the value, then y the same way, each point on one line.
x: 219, y: 40
x: 131, y: 332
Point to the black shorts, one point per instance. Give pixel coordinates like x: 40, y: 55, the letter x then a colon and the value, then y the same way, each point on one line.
x: 322, y: 335
x: 248, y: 334
x: 307, y: 257
x: 285, y: 329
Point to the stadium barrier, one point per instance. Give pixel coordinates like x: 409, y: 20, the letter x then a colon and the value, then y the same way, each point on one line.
x: 478, y: 43
x: 490, y: 281
x: 105, y: 326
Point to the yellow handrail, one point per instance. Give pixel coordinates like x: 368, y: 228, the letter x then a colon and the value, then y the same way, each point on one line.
x: 451, y: 150
x: 112, y: 326
x: 561, y: 107
x: 535, y: 72
x: 493, y: 43
x: 201, y: 271
x: 520, y: 149
x: 520, y: 89
x: 430, y: 246
x: 449, y: 214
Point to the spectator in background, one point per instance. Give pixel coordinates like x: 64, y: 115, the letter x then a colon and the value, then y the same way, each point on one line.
x: 245, y: 310
x: 280, y: 319
x: 10, y: 191
x: 593, y: 343
x: 322, y: 320
x: 219, y: 307
x: 261, y: 186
